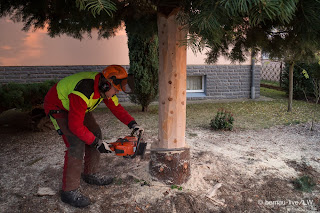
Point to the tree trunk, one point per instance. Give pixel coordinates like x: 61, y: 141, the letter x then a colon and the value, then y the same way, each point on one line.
x: 290, y: 86
x: 144, y: 108
x: 170, y: 155
x: 316, y: 92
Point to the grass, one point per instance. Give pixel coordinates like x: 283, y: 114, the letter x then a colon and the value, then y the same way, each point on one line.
x: 252, y: 114
x: 255, y: 114
x: 271, y: 93
x: 272, y: 83
x: 249, y: 114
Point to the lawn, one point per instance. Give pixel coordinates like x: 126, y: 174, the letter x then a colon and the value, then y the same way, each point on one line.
x: 254, y: 114
x: 249, y: 114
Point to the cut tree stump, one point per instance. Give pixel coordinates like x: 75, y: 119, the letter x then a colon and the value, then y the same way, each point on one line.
x: 171, y: 167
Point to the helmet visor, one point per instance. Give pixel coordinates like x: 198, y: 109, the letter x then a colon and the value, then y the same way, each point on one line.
x: 126, y: 85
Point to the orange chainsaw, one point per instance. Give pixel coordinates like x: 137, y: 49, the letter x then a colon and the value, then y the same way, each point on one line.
x: 129, y: 146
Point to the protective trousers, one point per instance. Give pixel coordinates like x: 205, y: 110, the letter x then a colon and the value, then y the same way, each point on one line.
x: 76, y: 150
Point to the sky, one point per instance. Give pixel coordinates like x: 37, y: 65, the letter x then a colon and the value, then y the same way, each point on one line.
x: 19, y: 48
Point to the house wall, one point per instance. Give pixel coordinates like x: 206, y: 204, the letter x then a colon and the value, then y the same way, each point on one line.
x: 225, y: 81
x: 221, y: 81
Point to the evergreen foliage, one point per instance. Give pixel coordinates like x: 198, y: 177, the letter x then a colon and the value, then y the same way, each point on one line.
x: 297, y: 40
x: 232, y: 28
x: 62, y: 17
x: 97, y: 6
x: 143, y: 55
x: 23, y: 96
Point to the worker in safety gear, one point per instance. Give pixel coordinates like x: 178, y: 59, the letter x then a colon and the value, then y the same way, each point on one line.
x: 69, y: 104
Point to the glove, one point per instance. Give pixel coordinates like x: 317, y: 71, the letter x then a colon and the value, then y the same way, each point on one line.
x: 137, y: 128
x: 103, y: 147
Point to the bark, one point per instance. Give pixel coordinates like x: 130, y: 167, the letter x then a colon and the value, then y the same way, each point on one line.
x: 290, y: 86
x: 316, y: 88
x: 171, y: 167
x: 145, y: 108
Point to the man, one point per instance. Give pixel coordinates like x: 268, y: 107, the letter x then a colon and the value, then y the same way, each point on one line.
x: 69, y: 104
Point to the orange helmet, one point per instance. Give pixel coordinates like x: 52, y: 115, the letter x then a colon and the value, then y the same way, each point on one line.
x: 117, y: 75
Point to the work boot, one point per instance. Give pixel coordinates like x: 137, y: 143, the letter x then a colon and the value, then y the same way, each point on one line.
x: 96, y: 179
x: 75, y: 198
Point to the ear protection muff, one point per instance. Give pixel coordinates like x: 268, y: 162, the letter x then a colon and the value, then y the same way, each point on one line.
x: 104, y: 85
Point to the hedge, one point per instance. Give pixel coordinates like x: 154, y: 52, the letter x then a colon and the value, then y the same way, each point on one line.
x: 23, y: 96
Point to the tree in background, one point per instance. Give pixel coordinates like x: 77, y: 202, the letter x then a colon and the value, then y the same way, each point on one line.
x: 287, y: 30
x: 295, y: 39
x: 306, y: 83
x: 141, y: 28
x: 231, y: 28
x: 143, y: 54
x: 302, y: 84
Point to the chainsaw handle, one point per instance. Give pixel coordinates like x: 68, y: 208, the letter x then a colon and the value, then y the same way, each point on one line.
x: 139, y: 135
x: 132, y: 133
x: 138, y: 142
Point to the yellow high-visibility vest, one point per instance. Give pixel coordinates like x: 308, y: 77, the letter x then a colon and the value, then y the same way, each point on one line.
x: 80, y: 84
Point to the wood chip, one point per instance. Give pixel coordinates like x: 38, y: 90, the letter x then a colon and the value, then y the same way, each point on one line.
x: 134, y: 176
x: 45, y: 191
x: 214, y: 190
x: 213, y: 193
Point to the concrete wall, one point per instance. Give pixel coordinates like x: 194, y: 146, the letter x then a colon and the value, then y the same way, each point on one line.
x: 221, y: 81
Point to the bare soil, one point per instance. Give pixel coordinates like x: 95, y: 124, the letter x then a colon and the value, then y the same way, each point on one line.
x: 255, y: 168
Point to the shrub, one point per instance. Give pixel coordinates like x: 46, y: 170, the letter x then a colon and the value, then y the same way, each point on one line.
x: 23, y: 96
x: 300, y: 83
x: 222, y: 121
